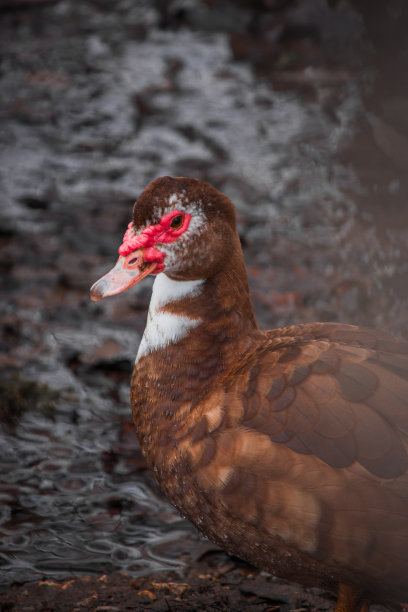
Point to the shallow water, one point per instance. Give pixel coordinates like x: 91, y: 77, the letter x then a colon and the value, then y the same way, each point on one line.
x: 97, y: 102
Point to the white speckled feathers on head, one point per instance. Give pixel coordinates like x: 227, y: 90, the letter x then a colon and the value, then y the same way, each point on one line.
x: 179, y: 253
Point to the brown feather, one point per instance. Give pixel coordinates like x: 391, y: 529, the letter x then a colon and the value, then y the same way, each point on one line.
x: 288, y: 448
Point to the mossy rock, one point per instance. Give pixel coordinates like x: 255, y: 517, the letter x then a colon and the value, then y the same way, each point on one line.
x: 18, y: 396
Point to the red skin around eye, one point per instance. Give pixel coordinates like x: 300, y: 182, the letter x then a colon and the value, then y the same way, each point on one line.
x: 160, y: 233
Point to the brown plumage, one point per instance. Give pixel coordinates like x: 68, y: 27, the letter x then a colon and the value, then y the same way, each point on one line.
x: 288, y: 448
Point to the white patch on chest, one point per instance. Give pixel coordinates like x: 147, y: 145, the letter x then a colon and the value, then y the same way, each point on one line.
x: 163, y: 328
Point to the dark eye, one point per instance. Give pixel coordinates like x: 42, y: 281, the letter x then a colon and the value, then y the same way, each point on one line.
x: 177, y: 222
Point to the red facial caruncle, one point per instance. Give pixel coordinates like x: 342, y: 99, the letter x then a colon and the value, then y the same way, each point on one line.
x: 170, y: 227
x: 139, y: 255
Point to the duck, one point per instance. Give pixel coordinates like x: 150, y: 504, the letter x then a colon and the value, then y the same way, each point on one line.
x: 288, y: 448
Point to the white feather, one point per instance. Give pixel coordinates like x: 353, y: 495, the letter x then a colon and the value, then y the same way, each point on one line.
x: 163, y: 328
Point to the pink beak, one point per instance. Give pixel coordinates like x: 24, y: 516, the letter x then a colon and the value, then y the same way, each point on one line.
x: 127, y: 272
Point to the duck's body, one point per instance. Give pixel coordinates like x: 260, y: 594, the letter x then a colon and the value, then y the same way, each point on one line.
x: 288, y: 448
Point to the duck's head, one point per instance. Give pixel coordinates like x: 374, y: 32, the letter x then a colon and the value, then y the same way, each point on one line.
x: 181, y: 226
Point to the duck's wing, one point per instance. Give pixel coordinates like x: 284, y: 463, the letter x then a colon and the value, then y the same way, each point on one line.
x: 307, y: 440
x: 334, y: 391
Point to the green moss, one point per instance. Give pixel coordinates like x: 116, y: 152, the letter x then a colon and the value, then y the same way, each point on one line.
x: 18, y: 396
x: 286, y: 61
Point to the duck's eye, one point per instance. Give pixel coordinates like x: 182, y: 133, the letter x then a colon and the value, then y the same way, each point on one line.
x: 177, y: 222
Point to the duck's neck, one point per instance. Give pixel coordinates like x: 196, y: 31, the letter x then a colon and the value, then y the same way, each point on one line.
x: 196, y: 331
x: 187, y: 313
x: 164, y: 327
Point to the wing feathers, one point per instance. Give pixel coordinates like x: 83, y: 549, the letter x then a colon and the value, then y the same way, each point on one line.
x: 356, y: 382
x: 334, y: 397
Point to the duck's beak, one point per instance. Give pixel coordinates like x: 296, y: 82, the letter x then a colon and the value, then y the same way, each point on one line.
x: 127, y: 272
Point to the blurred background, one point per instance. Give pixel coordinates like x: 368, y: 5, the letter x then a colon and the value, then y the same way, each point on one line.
x: 296, y: 109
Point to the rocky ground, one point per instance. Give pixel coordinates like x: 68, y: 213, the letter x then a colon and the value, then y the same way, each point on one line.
x: 296, y: 109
